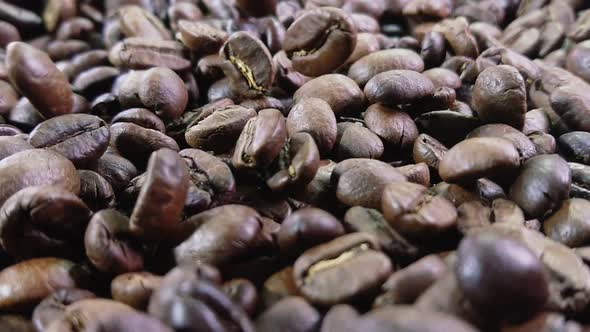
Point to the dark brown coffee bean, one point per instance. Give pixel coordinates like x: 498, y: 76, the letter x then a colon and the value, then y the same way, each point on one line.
x: 542, y: 184
x: 456, y: 32
x: 320, y: 41
x: 143, y: 53
x: 60, y: 50
x: 429, y: 9
x: 393, y: 126
x: 30, y: 281
x: 8, y: 130
x: 355, y: 141
x: 248, y: 64
x: 572, y: 105
x: 141, y: 117
x: 138, y: 143
x: 161, y: 200
x: 95, y: 81
x: 360, y: 219
x: 35, y: 76
x: 54, y: 306
x: 314, y: 116
x: 412, y: 211
x: 339, y: 91
x: 201, y: 37
x: 500, y: 96
x: 576, y: 146
x: 224, y: 235
x: 127, y: 322
x: 526, y: 148
x: 75, y: 28
x: 519, y: 292
x: 375, y: 63
x: 475, y: 158
x: 568, y: 225
x: 109, y: 244
x: 220, y: 130
x: 10, y: 145
x: 8, y: 34
x: 244, y: 293
x: 361, y: 181
x: 441, y: 77
x: 429, y: 151
x: 42, y: 221
x: 84, y: 312
x: 8, y: 97
x: 158, y: 89
x: 36, y: 167
x: 290, y: 314
x: 137, y: 22
x: 324, y: 274
x: 261, y: 140
x: 82, y: 138
x: 580, y: 180
x: 117, y: 170
x: 406, y: 285
x: 135, y: 288
x: 299, y: 161
x: 306, y: 228
x: 396, y: 87
x: 406, y: 318
x: 183, y: 11
x: 96, y: 191
x: 208, y: 172
x: 433, y: 50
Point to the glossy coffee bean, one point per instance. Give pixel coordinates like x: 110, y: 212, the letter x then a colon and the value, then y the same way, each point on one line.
x: 341, y: 270
x: 85, y: 312
x: 141, y: 117
x: 353, y: 140
x: 200, y: 37
x: 299, y: 161
x: 395, y: 128
x: 576, y: 146
x: 33, y: 74
x: 137, y: 143
x: 339, y: 91
x: 292, y: 313
x: 54, y: 306
x: 377, y: 62
x: 396, y: 87
x: 568, y: 225
x: 314, y: 116
x: 137, y: 22
x: 523, y: 281
x: 143, y: 53
x: 134, y: 288
x: 320, y: 41
x: 475, y: 158
x: 551, y: 178
x: 126, y: 322
x: 244, y: 293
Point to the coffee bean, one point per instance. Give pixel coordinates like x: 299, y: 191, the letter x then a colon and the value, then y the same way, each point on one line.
x: 340, y: 92
x: 524, y: 279
x: 32, y: 72
x: 143, y: 53
x: 398, y: 87
x: 134, y: 288
x: 314, y: 116
x: 244, y: 293
x: 10, y: 145
x: 292, y: 313
x: 127, y: 321
x: 551, y: 178
x: 576, y: 146
x: 525, y: 147
x: 200, y: 37
x: 137, y: 22
x: 85, y: 312
x: 141, y: 117
x: 299, y: 162
x: 355, y: 141
x: 338, y: 271
x: 375, y: 63
x: 261, y: 140
x: 393, y: 126
x: 568, y: 224
x: 54, y: 306
x: 320, y: 41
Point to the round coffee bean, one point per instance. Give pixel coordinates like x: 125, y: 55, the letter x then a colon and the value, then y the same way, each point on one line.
x: 314, y: 116
x: 377, y: 62
x: 396, y: 87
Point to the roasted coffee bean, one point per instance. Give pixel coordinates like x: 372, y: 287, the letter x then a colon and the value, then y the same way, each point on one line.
x: 200, y: 37
x: 314, y: 116
x: 183, y: 11
x: 110, y: 245
x: 292, y: 314
x: 8, y: 97
x: 117, y: 170
x: 8, y: 130
x: 248, y: 64
x: 81, y: 138
x: 127, y: 322
x: 568, y: 225
x: 54, y: 306
x: 143, y: 53
x: 543, y: 183
x: 338, y: 271
x: 339, y: 91
x: 10, y: 145
x: 158, y: 89
x: 30, y: 281
x: 41, y: 221
x: 261, y: 140
x: 36, y: 167
x: 571, y: 103
x: 208, y: 172
x: 96, y: 191
x: 525, y: 147
x: 359, y: 219
x: 135, y: 288
x: 394, y: 127
x: 75, y: 28
x: 219, y: 130
x: 396, y: 87
x: 499, y: 96
x: 411, y: 210
x: 353, y: 178
x: 137, y: 22
x: 161, y: 200
x: 224, y: 235
x: 138, y: 143
x: 141, y: 117
x: 34, y: 75
x: 406, y: 285
x: 377, y: 62
x: 243, y: 292
x: 298, y: 163
x: 355, y: 141
x: 576, y: 146
x: 524, y: 280
x: 580, y: 180
x: 83, y: 313
x: 305, y: 228
x: 429, y: 151
x: 320, y: 41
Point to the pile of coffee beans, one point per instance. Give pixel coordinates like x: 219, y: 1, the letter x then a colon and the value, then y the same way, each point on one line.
x: 294, y: 165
